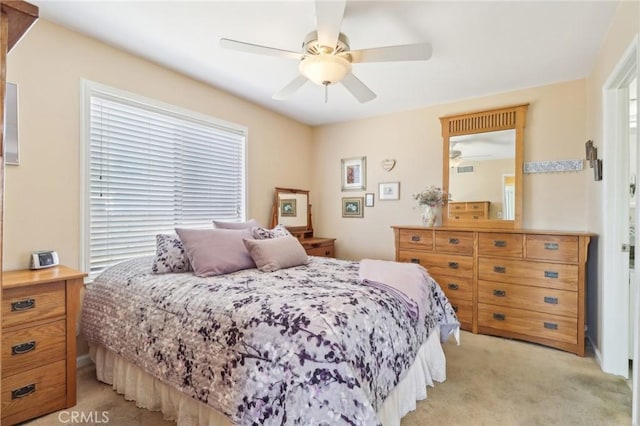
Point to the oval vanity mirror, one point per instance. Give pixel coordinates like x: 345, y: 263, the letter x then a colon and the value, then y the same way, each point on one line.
x: 482, y: 167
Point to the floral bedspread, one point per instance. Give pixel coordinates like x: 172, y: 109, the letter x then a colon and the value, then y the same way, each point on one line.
x: 304, y: 345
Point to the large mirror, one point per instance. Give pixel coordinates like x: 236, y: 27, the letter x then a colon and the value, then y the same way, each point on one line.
x: 291, y: 208
x: 482, y: 167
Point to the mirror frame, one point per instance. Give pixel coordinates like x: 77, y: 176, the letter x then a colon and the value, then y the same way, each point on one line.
x: 298, y: 231
x: 512, y: 117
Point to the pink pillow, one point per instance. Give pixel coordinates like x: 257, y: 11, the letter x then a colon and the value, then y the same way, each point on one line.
x: 216, y: 251
x: 235, y: 225
x: 277, y: 253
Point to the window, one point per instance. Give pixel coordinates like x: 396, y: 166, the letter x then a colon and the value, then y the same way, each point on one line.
x: 152, y: 167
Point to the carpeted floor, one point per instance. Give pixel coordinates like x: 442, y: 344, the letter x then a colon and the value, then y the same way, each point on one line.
x: 490, y: 381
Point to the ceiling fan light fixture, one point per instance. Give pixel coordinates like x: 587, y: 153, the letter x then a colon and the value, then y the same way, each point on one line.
x: 324, y: 69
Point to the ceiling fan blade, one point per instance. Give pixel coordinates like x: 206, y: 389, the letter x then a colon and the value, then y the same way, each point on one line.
x: 357, y: 88
x: 290, y: 88
x: 328, y: 20
x: 404, y: 52
x: 256, y: 48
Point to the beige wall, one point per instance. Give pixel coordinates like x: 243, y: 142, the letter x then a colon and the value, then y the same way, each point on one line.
x: 42, y: 195
x: 555, y: 131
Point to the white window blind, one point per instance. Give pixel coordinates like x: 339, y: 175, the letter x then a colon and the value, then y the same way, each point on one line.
x: 152, y: 169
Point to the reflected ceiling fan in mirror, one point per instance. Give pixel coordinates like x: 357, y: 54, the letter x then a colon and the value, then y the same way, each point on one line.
x: 326, y: 57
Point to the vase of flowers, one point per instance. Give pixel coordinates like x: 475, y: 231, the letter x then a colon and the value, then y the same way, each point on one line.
x: 431, y: 200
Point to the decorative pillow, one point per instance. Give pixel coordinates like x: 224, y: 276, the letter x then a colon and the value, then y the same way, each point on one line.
x: 170, y: 255
x: 277, y: 253
x: 260, y: 233
x: 216, y: 251
x: 236, y: 225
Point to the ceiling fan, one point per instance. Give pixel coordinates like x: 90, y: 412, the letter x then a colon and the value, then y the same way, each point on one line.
x: 326, y: 57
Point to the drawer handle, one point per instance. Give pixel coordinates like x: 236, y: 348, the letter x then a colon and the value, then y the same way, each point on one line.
x: 499, y: 317
x: 23, y: 348
x: 455, y: 308
x: 500, y: 269
x: 454, y: 241
x: 415, y: 238
x: 23, y: 391
x: 499, y: 243
x: 551, y: 325
x: 327, y: 253
x: 551, y: 300
x: 499, y: 293
x: 457, y: 217
x: 415, y: 260
x: 452, y: 286
x: 453, y: 265
x: 476, y: 217
x: 551, y: 246
x: 23, y: 305
x: 550, y: 274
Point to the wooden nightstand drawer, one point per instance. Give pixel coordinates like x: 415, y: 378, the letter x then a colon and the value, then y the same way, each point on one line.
x: 31, y: 347
x: 454, y: 242
x: 552, y: 301
x: 29, y: 303
x: 539, y: 274
x: 557, y: 248
x: 507, y: 245
x: 324, y: 251
x: 416, y: 239
x: 528, y: 323
x: 316, y: 246
x: 34, y: 392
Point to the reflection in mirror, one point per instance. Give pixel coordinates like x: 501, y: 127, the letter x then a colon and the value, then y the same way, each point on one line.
x: 482, y: 175
x: 291, y: 208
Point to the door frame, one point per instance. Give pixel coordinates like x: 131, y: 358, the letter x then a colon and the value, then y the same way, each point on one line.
x: 613, y: 289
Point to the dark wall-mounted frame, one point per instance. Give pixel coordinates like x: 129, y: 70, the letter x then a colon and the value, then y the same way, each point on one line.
x: 591, y: 155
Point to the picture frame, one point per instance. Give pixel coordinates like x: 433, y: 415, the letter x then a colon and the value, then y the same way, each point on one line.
x: 389, y: 191
x: 288, y: 207
x: 352, y: 207
x: 354, y: 174
x: 368, y: 199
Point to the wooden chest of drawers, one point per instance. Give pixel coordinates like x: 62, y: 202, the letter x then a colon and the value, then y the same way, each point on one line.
x: 523, y: 284
x: 316, y: 246
x: 39, y: 310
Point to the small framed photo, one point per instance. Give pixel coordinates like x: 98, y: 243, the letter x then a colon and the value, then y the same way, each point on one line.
x: 352, y: 207
x: 389, y: 191
x: 354, y: 174
x: 288, y: 207
x: 368, y: 199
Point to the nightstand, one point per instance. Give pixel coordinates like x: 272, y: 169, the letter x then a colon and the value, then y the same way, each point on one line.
x: 316, y: 246
x: 39, y: 312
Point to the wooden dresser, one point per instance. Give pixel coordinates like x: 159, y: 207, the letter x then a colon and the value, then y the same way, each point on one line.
x: 518, y: 283
x: 469, y: 210
x: 39, y: 313
x: 317, y: 246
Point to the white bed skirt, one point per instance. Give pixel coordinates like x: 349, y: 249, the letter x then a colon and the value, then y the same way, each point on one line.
x: 152, y: 394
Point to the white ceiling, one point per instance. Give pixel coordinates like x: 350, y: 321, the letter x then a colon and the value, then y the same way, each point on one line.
x: 479, y: 47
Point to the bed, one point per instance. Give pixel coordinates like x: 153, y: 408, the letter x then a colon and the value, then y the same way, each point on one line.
x: 303, y: 345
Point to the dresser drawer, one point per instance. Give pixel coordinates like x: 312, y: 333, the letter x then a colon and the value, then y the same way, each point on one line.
x: 463, y: 310
x: 458, y: 287
x: 416, y: 239
x: 454, y: 242
x: 557, y: 248
x: 505, y: 245
x: 539, y: 274
x: 457, y: 207
x: 440, y: 264
x: 34, y: 392
x: 31, y: 347
x: 467, y: 215
x: 551, y: 301
x: 476, y: 207
x: 528, y: 323
x: 23, y: 304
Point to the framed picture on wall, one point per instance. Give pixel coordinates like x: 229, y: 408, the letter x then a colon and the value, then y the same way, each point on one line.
x: 352, y: 207
x: 354, y: 174
x: 389, y: 191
